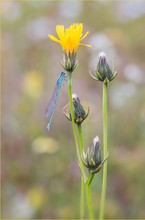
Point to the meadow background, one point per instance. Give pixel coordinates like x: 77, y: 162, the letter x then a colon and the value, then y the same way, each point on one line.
x: 40, y: 175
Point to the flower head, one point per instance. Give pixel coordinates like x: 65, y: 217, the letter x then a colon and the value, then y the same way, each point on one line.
x: 92, y: 159
x: 79, y: 112
x: 103, y: 71
x: 69, y: 38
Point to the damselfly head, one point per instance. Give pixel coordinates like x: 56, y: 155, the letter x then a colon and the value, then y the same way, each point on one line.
x: 62, y: 74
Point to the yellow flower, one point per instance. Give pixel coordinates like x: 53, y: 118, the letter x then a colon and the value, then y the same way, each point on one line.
x: 70, y: 38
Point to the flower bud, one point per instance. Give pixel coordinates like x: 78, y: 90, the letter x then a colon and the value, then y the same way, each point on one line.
x: 79, y: 113
x: 92, y: 159
x: 69, y: 61
x: 103, y: 71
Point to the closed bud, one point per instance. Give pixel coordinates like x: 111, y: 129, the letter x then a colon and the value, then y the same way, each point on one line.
x: 92, y: 159
x: 69, y: 61
x: 103, y: 71
x: 79, y: 112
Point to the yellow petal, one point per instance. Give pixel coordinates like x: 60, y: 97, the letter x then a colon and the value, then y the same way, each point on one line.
x: 70, y: 37
x: 87, y: 45
x: 85, y: 35
x: 53, y: 38
x: 80, y: 27
x: 60, y: 31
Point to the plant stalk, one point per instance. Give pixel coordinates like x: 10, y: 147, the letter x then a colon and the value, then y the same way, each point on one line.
x: 104, y: 182
x: 79, y: 151
x: 83, y: 173
x: 72, y: 113
x: 88, y: 195
x: 82, y: 199
x: 80, y: 138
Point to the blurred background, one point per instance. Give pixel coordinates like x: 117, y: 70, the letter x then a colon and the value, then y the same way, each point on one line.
x: 40, y: 175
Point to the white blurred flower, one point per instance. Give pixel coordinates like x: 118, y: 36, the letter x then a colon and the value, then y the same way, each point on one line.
x: 38, y: 29
x: 70, y: 9
x: 127, y: 10
x: 21, y: 207
x: 11, y: 11
x: 121, y: 92
x: 133, y: 72
x: 101, y: 42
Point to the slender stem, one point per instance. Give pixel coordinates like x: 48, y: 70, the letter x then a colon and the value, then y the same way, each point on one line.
x: 72, y: 113
x: 104, y: 183
x: 81, y: 150
x: 88, y: 195
x: 76, y: 142
x: 80, y: 138
x: 82, y: 169
x: 82, y: 199
x: 88, y: 181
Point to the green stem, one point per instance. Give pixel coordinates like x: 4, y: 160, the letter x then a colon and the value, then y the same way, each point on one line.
x: 82, y: 199
x: 83, y: 173
x: 88, y: 195
x: 81, y: 150
x: 76, y: 142
x: 104, y: 183
x: 80, y: 138
x: 72, y: 113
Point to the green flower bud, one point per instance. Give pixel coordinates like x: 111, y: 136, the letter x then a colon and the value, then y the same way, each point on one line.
x: 103, y: 71
x: 92, y: 159
x: 79, y: 112
x: 69, y: 61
